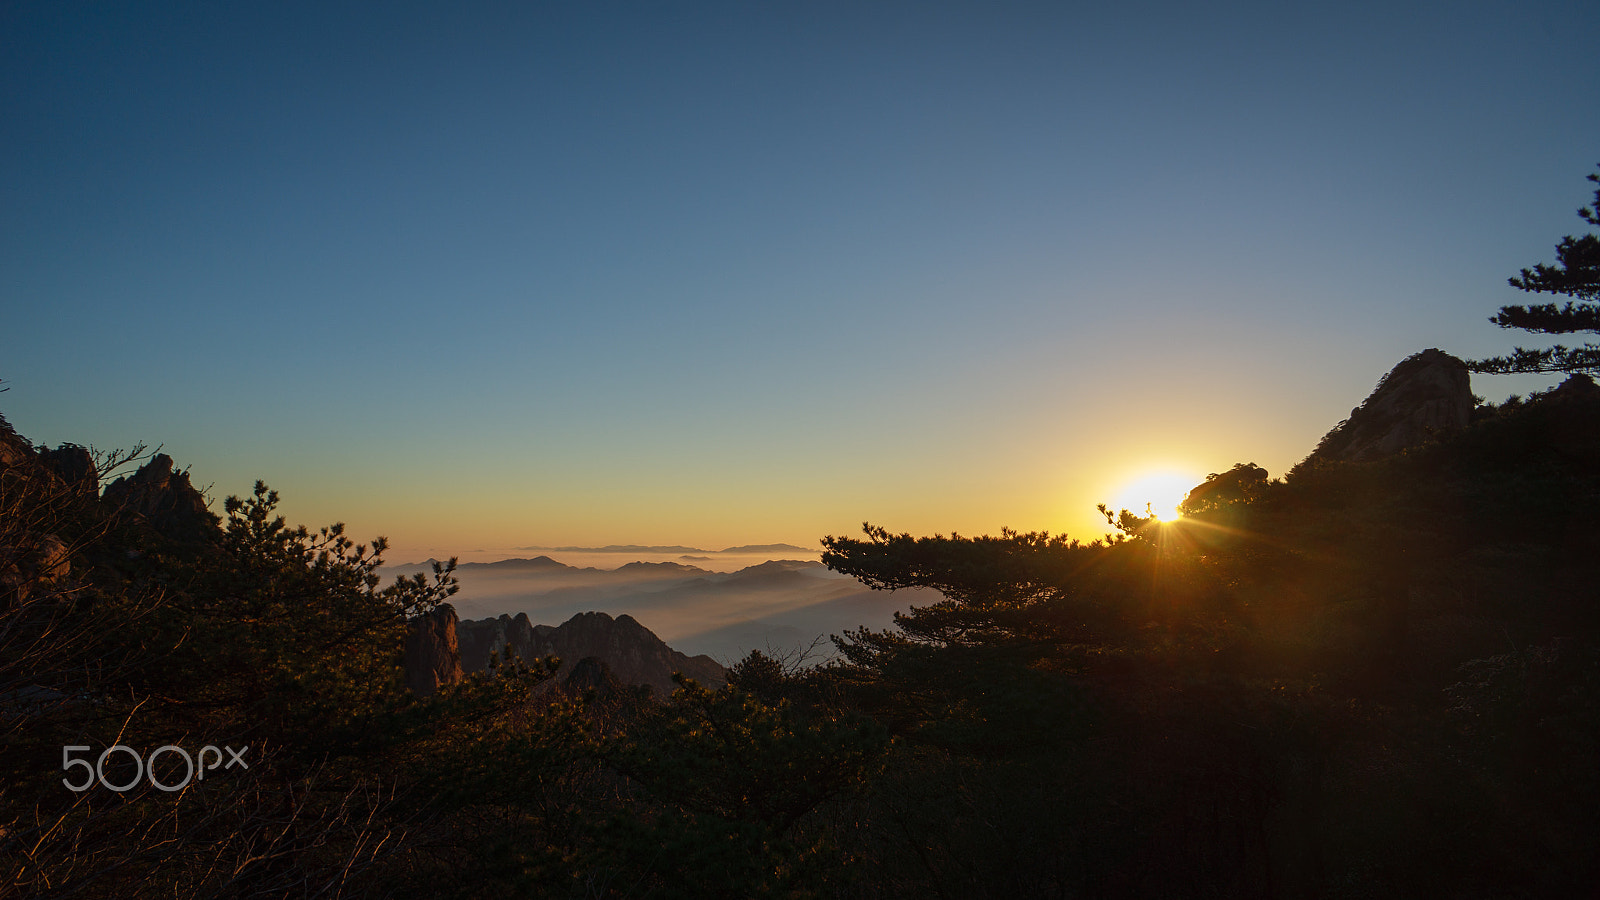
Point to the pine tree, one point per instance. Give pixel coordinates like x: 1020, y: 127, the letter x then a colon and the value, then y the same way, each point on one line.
x: 1576, y: 275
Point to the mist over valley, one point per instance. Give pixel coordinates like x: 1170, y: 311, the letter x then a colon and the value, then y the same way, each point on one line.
x: 723, y: 607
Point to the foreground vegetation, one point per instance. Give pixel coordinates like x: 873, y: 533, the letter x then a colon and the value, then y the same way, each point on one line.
x: 1377, y: 679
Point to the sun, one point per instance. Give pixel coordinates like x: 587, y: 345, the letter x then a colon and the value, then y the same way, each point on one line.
x: 1163, y: 490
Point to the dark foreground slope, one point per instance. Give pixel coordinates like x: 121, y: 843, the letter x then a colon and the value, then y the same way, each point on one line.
x: 194, y: 706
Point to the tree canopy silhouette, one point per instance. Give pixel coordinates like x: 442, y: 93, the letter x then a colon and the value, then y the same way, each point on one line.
x: 1576, y: 275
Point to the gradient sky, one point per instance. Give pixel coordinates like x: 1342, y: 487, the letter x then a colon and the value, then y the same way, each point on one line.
x: 488, y: 275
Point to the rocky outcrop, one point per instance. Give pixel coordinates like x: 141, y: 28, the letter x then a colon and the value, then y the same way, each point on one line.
x: 31, y: 564
x: 14, y: 451
x: 484, y: 639
x: 35, y: 500
x: 631, y: 652
x: 165, y: 500
x: 74, y: 465
x: 432, y: 654
x: 1429, y: 394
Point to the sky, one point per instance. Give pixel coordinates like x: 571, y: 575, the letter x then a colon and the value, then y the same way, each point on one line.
x: 486, y: 276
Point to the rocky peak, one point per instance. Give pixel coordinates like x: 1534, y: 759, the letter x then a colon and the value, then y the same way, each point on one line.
x: 34, y: 500
x: 75, y: 466
x: 484, y: 639
x: 14, y: 451
x: 165, y: 499
x: 432, y: 653
x: 631, y: 652
x: 1426, y: 395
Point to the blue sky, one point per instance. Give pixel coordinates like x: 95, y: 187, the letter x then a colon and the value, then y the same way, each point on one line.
x: 481, y: 276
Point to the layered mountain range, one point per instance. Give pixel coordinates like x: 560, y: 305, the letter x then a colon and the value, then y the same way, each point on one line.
x: 785, y: 604
x: 780, y: 606
x: 776, y: 605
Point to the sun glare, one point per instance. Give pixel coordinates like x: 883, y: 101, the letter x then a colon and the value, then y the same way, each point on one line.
x: 1162, y: 491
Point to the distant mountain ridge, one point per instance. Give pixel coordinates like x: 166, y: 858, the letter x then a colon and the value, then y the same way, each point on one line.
x: 641, y: 548
x: 638, y: 567
x: 537, y: 562
x: 775, y: 605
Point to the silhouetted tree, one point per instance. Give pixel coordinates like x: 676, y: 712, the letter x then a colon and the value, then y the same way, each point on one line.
x: 1241, y: 484
x: 1576, y: 275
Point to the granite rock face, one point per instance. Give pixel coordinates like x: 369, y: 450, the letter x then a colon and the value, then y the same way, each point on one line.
x: 74, y: 465
x: 1425, y: 396
x: 631, y: 652
x: 486, y: 638
x: 165, y: 499
x: 32, y: 559
x: 14, y: 450
x: 31, y: 564
x: 432, y: 653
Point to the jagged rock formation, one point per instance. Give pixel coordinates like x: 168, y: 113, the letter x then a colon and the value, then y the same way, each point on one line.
x: 484, y: 638
x: 1427, y: 395
x: 69, y: 475
x: 14, y: 451
x: 69, y: 465
x: 75, y: 466
x: 32, y: 558
x: 165, y: 499
x: 30, y: 563
x: 632, y: 653
x: 60, y: 490
x: 432, y: 654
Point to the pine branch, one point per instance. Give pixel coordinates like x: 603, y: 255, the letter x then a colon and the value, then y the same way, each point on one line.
x: 1555, y: 359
